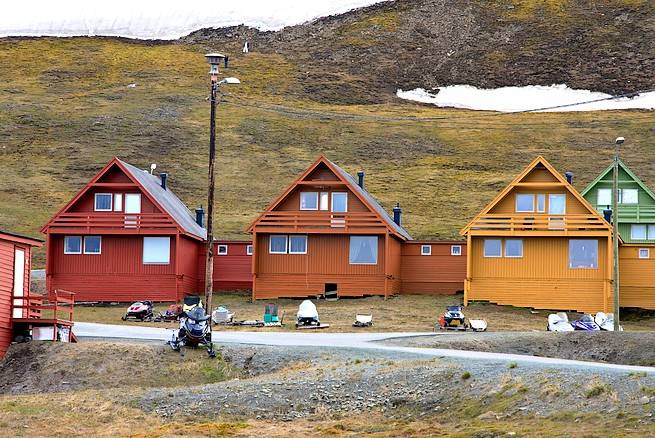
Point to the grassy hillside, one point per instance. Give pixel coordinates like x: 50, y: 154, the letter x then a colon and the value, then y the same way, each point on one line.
x: 65, y: 110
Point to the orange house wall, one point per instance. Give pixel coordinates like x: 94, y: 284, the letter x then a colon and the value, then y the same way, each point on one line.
x: 636, y: 277
x: 439, y: 273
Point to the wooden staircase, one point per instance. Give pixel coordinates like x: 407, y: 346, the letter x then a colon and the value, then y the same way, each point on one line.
x: 44, y: 318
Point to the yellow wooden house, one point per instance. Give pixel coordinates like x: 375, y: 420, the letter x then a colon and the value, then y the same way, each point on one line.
x: 540, y: 244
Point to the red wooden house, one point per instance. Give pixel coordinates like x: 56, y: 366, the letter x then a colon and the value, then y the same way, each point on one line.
x: 125, y: 236
x: 325, y: 234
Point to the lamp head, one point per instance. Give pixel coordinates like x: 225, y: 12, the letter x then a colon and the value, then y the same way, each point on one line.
x: 214, y: 60
x: 619, y: 140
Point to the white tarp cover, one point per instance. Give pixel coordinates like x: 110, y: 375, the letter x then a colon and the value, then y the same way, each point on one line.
x: 159, y: 19
x: 510, y: 99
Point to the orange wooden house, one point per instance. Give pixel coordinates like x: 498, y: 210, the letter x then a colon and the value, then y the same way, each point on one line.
x: 540, y: 244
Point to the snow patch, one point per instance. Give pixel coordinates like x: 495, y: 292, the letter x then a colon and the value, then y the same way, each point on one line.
x: 159, y: 19
x: 510, y: 99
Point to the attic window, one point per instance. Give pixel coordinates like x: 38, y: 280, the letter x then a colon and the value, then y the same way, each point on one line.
x: 604, y: 197
x: 339, y: 202
x: 103, y: 201
x: 629, y: 196
x: 524, y: 203
x: 309, y: 200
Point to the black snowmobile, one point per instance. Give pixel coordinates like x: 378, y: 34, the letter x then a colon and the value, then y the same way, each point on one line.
x: 195, y: 330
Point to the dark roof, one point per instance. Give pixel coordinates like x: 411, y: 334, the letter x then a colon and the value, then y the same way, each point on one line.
x: 373, y: 202
x: 167, y: 199
x: 18, y: 235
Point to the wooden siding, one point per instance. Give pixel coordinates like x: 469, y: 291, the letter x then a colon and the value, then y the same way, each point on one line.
x: 326, y: 261
x: 636, y: 277
x: 232, y: 271
x: 7, y: 252
x: 541, y: 278
x: 439, y: 273
x: 118, y: 274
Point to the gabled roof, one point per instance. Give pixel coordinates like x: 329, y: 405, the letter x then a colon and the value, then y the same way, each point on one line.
x: 627, y: 170
x: 539, y: 160
x: 165, y: 200
x: 20, y: 238
x: 364, y: 196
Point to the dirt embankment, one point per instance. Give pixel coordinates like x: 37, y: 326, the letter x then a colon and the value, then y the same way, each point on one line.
x: 620, y: 348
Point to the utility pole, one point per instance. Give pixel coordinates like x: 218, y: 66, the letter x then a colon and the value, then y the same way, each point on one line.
x: 615, y: 230
x: 214, y: 59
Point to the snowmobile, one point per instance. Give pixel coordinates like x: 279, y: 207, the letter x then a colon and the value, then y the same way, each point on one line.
x: 453, y: 319
x: 169, y: 315
x: 307, y: 316
x: 194, y: 331
x: 191, y: 301
x: 141, y: 310
x: 586, y: 323
x: 606, y: 321
x: 363, y: 320
x: 559, y: 322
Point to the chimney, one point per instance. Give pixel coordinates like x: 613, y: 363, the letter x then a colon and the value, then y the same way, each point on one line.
x: 398, y: 214
x: 569, y: 177
x: 164, y: 178
x: 607, y: 214
x: 360, y: 178
x: 200, y: 216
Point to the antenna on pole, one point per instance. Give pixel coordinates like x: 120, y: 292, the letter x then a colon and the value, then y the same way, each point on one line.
x: 153, y: 166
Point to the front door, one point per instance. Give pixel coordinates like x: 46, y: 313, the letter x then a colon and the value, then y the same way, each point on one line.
x: 19, y: 281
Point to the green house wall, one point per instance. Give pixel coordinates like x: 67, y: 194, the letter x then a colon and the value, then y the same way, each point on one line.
x: 641, y: 213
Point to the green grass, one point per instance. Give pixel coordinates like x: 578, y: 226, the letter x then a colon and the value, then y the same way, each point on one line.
x: 65, y: 110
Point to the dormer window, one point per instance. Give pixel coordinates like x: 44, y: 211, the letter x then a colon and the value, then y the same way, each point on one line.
x: 103, y: 202
x: 309, y: 200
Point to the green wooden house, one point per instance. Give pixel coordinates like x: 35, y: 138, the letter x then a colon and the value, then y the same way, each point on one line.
x: 636, y: 203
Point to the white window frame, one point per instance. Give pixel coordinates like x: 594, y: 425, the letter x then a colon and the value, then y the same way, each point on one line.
x: 632, y: 234
x: 81, y: 245
x: 316, y: 201
x: 125, y: 203
x: 218, y: 250
x: 582, y: 267
x: 550, y: 198
x: 143, y: 252
x: 649, y: 234
x: 484, y: 249
x: 375, y: 254
x: 84, y: 246
x: 324, y: 201
x: 270, y: 244
x: 332, y: 202
x: 118, y: 202
x: 95, y: 202
x: 512, y: 256
x: 622, y: 196
x: 249, y: 250
x: 604, y: 204
x: 646, y: 253
x: 289, y: 243
x: 429, y: 250
x: 517, y: 203
x: 454, y: 252
x: 541, y: 202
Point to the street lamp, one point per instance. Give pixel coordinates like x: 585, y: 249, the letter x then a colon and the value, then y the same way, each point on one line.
x: 615, y: 229
x: 214, y: 60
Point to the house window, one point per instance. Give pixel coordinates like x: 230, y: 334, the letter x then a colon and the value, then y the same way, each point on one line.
x: 103, y: 202
x: 492, y: 247
x: 583, y: 253
x: 556, y: 203
x: 297, y: 244
x: 638, y: 232
x: 524, y: 203
x: 541, y: 203
x: 324, y: 201
x: 339, y: 202
x: 604, y: 197
x: 309, y: 200
x: 651, y: 232
x: 629, y: 196
x: 277, y: 244
x: 222, y: 250
x: 456, y: 250
x: 118, y: 201
x: 513, y: 248
x: 156, y: 250
x: 426, y: 250
x: 248, y: 249
x: 133, y: 203
x: 92, y: 244
x: 363, y: 250
x: 644, y: 253
x: 72, y: 245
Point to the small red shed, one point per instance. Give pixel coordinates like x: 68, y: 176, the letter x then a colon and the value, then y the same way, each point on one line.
x: 435, y: 267
x: 15, y: 268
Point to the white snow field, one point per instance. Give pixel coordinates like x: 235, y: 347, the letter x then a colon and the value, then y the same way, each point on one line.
x: 159, y: 19
x: 511, y: 99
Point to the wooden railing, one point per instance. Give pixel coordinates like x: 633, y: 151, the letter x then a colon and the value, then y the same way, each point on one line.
x: 633, y: 212
x: 112, y: 221
x: 59, y: 307
x: 539, y: 222
x: 319, y: 221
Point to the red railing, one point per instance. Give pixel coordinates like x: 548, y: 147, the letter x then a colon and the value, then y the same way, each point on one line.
x: 113, y: 221
x: 539, y: 222
x: 318, y: 221
x: 60, y: 307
